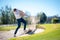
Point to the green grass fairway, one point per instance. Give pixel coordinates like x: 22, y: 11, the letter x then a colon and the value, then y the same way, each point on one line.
x: 52, y: 32
x: 8, y: 28
x: 3, y: 28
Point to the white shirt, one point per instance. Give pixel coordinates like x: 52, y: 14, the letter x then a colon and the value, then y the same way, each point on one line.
x: 17, y: 14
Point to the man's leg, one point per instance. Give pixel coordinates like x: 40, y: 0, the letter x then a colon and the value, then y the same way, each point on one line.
x: 24, y: 23
x: 19, y: 24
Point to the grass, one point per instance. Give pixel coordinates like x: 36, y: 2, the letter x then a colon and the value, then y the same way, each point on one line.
x: 8, y: 28
x: 52, y: 32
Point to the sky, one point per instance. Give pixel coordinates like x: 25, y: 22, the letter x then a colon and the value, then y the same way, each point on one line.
x: 49, y: 7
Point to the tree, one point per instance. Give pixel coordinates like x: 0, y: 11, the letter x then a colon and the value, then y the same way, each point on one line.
x: 38, y: 16
x: 12, y: 18
x: 3, y: 16
x: 43, y: 18
x: 7, y: 11
x: 7, y: 16
x: 55, y: 20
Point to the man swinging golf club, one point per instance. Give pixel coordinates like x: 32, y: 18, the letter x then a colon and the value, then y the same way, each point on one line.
x: 19, y: 16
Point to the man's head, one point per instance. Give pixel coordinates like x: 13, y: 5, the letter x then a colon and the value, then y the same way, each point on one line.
x: 14, y: 9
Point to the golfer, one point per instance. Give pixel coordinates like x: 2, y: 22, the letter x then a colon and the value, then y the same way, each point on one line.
x: 19, y: 16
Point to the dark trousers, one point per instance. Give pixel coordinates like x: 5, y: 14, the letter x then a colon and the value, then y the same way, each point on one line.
x: 19, y: 24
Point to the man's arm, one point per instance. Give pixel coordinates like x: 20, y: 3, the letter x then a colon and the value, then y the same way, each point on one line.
x: 22, y: 13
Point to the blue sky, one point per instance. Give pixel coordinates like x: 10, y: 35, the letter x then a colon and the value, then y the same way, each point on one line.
x: 50, y: 7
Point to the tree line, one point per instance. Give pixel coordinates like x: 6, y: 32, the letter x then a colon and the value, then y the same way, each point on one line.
x: 7, y: 17
x: 44, y: 19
